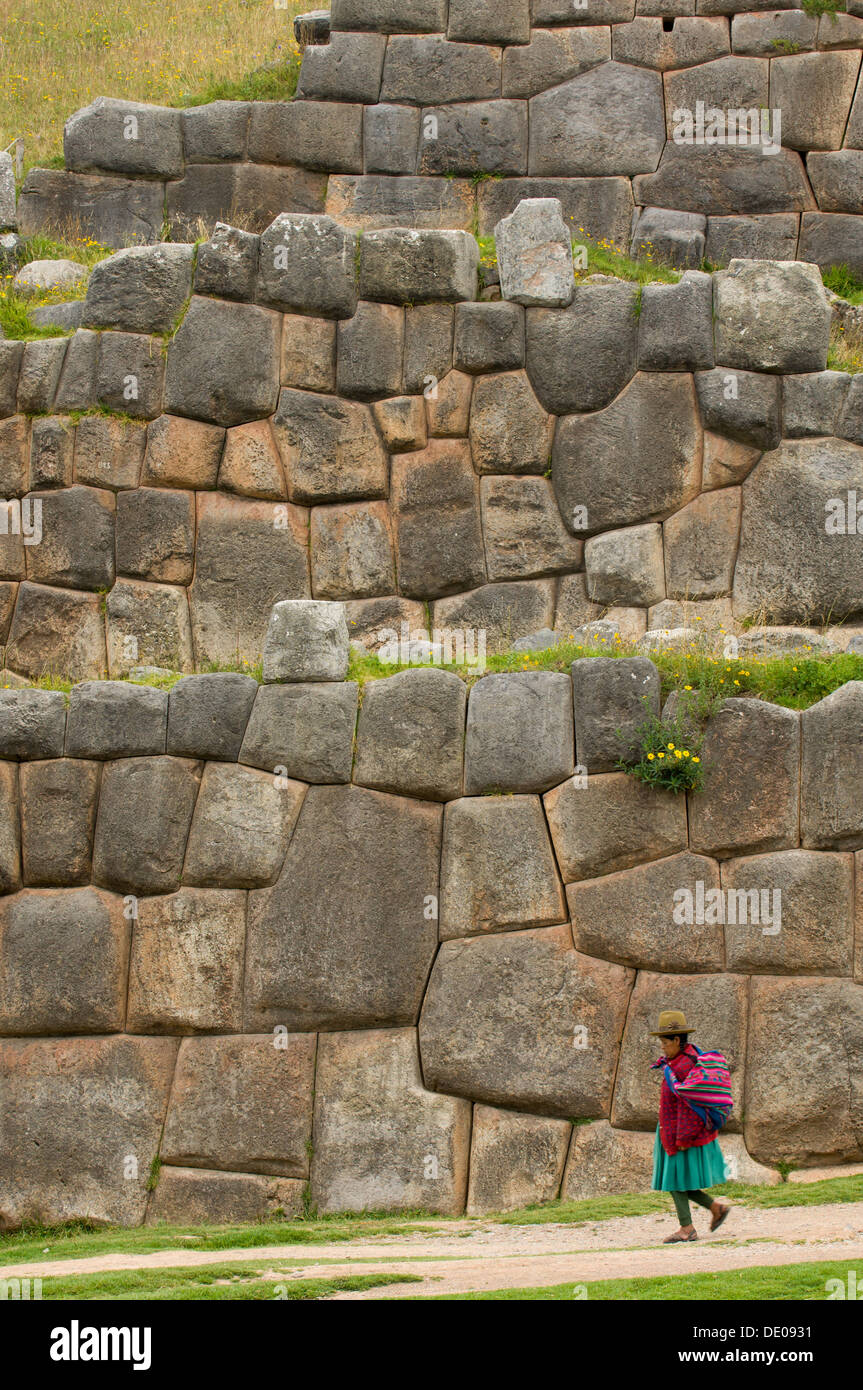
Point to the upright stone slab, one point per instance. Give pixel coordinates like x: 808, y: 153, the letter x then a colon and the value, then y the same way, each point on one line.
x: 534, y: 254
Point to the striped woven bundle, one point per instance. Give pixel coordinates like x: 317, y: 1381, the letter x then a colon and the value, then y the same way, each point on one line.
x: 709, y: 1081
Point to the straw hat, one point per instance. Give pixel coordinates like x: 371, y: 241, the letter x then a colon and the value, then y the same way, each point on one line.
x: 671, y: 1022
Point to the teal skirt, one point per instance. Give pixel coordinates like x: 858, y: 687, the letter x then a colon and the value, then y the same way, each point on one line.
x: 689, y: 1170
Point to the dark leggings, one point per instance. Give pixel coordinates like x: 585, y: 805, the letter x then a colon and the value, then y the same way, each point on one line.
x: 681, y: 1204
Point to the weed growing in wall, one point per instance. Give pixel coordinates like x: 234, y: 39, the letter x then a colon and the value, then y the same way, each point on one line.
x: 670, y: 757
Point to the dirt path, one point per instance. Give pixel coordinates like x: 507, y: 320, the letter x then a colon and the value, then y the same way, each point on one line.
x: 454, y: 1257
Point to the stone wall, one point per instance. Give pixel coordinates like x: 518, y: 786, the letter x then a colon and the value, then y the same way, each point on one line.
x: 405, y: 950
x: 315, y: 413
x: 411, y: 103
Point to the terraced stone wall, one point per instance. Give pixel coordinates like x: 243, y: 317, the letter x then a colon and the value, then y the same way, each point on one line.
x: 315, y: 413
x: 446, y: 114
x: 265, y: 945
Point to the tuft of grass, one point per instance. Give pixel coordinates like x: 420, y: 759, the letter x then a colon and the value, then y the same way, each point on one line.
x: 843, y: 282
x: 819, y: 7
x: 276, y: 82
x: 845, y: 353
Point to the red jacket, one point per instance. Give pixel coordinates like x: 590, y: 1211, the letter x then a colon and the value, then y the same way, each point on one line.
x: 679, y: 1126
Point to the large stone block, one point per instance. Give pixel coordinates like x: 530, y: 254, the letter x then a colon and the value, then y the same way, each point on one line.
x: 820, y: 1023
x: 745, y: 406
x: 11, y: 357
x: 510, y: 432
x: 410, y: 735
x: 521, y: 1019
x: 475, y: 137
x: 15, y: 455
x: 180, y: 453
x: 432, y: 71
x: 330, y: 448
x: 523, y: 531
x: 447, y: 405
x: 609, y: 120
x: 143, y: 289
x: 814, y: 92
x: 115, y: 212
x: 145, y: 810
x: 345, y: 939
x: 323, y: 135
x: 794, y: 913
x: 675, y: 325
x: 498, y: 870
x: 771, y: 316
x: 612, y: 698
x: 749, y: 803
x: 580, y: 358
x: 370, y: 352
x: 591, y: 459
x: 725, y: 462
x: 534, y: 253
x: 812, y: 403
x: 551, y: 57
x: 65, y: 1156
x: 348, y: 68
x: 207, y: 715
x: 725, y: 180
x: 796, y: 563
x: 113, y: 719
x: 303, y: 731
x: 124, y: 137
x: 307, y: 640
x: 243, y: 1103
x: 406, y: 266
x: 199, y: 1196
x: 717, y: 1006
x: 689, y: 40
x: 59, y: 798
x: 488, y: 337
x: 249, y: 556
x: 636, y: 917
x: 402, y: 423
x: 437, y: 520
x: 672, y: 238
x: 77, y: 544
x: 700, y: 545
x: 836, y: 180
x: 515, y: 1160
x: 65, y: 959
x: 626, y: 567
x: 57, y: 630
x: 186, y: 967
x: 832, y: 238
x: 52, y: 441
x: 374, y: 201
x: 382, y: 1142
x: 149, y: 625
x: 215, y: 132
x: 241, y: 827
x: 223, y: 363
x: 131, y: 374
x: 109, y: 452
x: 604, y: 1161
x: 40, y: 372
x: 10, y: 831
x: 308, y: 264
x: 769, y: 236
x: 390, y: 138
x: 612, y: 822
x: 493, y: 616
x: 519, y: 733
x: 251, y: 465
x: 831, y: 815
x: 599, y: 208
x: 156, y: 534
x: 227, y: 264
x: 390, y: 16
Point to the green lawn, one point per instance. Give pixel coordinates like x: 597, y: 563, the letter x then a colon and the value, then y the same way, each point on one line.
x: 763, y: 1282
x: 218, y: 1282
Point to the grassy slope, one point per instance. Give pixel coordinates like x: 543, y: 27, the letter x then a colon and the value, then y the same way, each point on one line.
x: 56, y: 57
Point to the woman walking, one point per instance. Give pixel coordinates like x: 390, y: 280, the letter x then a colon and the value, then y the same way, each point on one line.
x: 687, y: 1157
